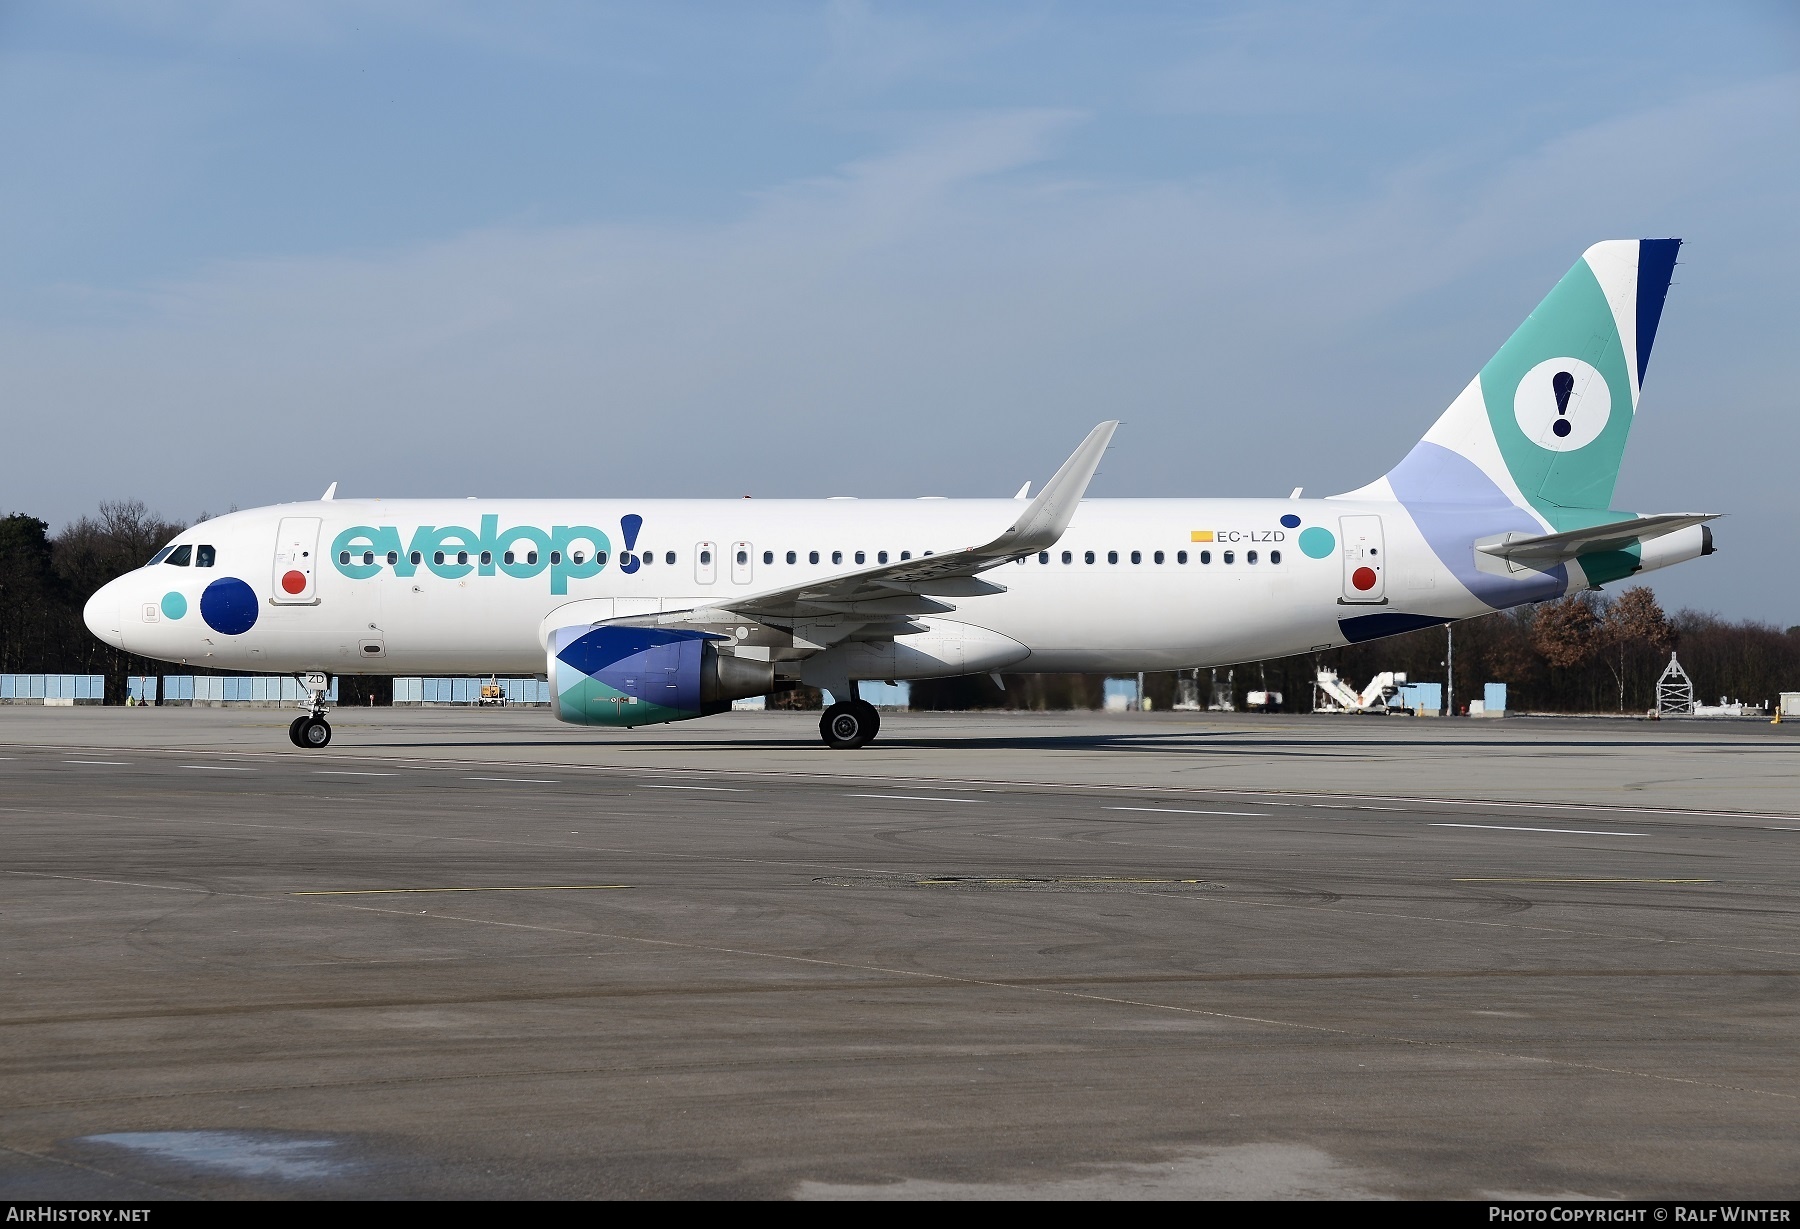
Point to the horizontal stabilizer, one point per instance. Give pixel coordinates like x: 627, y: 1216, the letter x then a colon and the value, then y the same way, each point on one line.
x: 1546, y: 550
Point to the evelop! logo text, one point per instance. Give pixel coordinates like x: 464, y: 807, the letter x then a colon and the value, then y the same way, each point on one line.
x: 567, y: 552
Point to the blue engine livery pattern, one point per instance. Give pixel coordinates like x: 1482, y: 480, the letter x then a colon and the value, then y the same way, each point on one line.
x: 626, y: 676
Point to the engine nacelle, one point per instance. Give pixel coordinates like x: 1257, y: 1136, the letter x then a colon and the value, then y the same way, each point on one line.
x: 632, y: 676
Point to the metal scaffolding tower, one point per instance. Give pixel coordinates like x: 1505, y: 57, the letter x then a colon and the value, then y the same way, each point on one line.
x: 1674, y: 690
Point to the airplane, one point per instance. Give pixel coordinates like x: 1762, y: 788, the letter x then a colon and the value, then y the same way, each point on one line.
x: 642, y: 611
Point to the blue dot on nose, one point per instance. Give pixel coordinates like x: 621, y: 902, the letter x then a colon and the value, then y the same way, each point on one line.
x: 229, y: 606
x: 1291, y: 521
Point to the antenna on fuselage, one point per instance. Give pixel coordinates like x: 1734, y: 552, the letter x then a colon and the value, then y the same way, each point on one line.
x: 330, y: 494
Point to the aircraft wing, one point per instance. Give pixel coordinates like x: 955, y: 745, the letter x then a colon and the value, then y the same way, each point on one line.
x: 899, y: 587
x: 1549, y: 549
x: 879, y: 603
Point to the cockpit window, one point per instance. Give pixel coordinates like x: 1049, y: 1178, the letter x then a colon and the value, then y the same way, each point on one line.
x: 181, y: 556
x: 203, y: 556
x: 159, y: 556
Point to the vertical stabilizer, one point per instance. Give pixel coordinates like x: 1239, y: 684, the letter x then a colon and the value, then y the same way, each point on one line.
x: 1543, y: 426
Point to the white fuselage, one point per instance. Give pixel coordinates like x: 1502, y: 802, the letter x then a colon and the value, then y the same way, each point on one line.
x: 1247, y: 589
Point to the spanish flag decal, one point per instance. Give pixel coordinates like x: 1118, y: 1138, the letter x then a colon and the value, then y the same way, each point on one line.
x: 1201, y: 535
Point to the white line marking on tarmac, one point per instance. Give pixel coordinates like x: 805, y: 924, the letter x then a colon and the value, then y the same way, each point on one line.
x: 345, y: 772
x: 1567, y: 831
x: 717, y: 789
x: 1179, y: 811
x: 515, y: 780
x: 106, y: 763
x: 918, y: 798
x: 217, y: 768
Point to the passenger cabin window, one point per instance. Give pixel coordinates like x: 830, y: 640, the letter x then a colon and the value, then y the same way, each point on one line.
x: 1137, y: 556
x: 792, y: 557
x: 180, y: 557
x: 462, y: 556
x: 1205, y: 556
x: 343, y: 556
x: 507, y: 557
x: 394, y: 557
x: 1043, y: 556
x: 1274, y: 556
x: 1230, y: 556
x: 1089, y: 556
x: 881, y: 556
x: 1181, y: 557
x: 812, y: 556
x: 649, y: 557
x: 837, y: 556
x: 414, y: 558
x: 1250, y: 556
x: 768, y: 556
x: 203, y: 556
x: 1068, y: 556
x: 668, y: 556
x: 860, y: 556
x: 487, y: 558
x: 555, y: 556
x: 437, y: 556
x: 1112, y: 556
x: 1157, y: 557
x: 368, y: 558
x: 905, y: 554
x: 705, y: 558
x: 743, y: 557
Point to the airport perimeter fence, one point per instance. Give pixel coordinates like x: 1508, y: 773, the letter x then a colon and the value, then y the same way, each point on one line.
x: 423, y: 691
x: 252, y: 690
x: 52, y: 689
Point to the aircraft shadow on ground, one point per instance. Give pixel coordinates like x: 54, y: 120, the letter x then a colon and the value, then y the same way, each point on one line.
x: 1220, y: 743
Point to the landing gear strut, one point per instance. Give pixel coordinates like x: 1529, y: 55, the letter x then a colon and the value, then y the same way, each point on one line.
x: 310, y: 731
x: 850, y: 724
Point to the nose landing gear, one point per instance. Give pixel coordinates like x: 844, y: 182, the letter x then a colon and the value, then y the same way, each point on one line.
x: 310, y: 731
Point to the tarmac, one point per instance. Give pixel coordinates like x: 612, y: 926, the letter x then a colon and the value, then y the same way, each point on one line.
x: 471, y: 953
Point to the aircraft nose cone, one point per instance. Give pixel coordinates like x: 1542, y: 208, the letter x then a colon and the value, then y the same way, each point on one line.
x: 103, y: 614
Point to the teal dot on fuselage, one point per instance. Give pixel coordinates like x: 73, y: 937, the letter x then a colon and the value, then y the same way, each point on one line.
x: 1316, y: 543
x: 174, y: 605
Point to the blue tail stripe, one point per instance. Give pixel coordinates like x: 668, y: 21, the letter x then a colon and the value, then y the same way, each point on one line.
x: 1656, y: 267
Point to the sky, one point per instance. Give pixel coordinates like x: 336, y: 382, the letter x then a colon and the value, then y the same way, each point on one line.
x: 787, y: 249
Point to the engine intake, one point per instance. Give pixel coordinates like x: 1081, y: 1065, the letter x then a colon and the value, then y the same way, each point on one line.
x: 631, y: 676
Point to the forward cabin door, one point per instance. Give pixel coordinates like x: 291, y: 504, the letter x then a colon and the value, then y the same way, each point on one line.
x: 1365, y: 560
x: 295, y: 578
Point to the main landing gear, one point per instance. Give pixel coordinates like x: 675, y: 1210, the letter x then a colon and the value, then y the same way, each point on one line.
x: 849, y: 725
x: 310, y: 731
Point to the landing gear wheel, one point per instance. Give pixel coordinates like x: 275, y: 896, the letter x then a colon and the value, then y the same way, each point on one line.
x: 872, y: 715
x: 847, y: 726
x: 294, y: 730
x: 311, y: 733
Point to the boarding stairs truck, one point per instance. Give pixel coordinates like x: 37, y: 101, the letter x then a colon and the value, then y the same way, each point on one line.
x: 1332, y: 694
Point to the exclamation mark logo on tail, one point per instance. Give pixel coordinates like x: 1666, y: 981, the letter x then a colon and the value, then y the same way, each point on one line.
x: 629, y: 525
x: 1562, y: 404
x: 1564, y: 384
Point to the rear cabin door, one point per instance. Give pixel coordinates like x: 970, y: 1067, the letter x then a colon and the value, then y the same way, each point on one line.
x: 295, y: 578
x: 1365, y: 560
